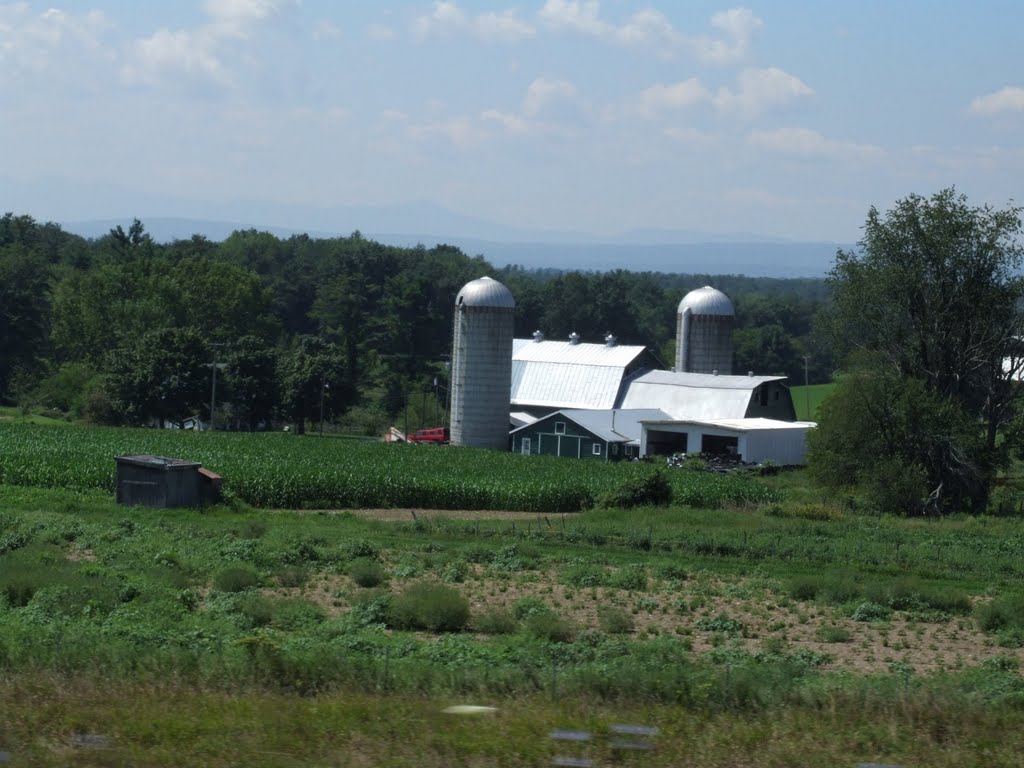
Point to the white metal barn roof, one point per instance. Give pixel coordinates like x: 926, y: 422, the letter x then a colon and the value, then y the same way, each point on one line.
x: 561, y: 374
x: 694, y: 396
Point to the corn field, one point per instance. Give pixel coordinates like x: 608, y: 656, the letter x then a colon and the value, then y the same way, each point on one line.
x: 292, y: 472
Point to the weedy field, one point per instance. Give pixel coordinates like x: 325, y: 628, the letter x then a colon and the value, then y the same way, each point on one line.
x: 785, y: 632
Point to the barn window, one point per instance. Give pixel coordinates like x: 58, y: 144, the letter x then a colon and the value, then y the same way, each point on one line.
x: 559, y: 427
x: 597, y: 449
x: 524, y: 445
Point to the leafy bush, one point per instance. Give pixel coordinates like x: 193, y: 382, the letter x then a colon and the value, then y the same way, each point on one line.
x: 584, y: 576
x: 525, y: 607
x: 632, y: 577
x: 236, y: 579
x: 361, y: 548
x: 869, y: 611
x: 651, y: 490
x: 495, y: 621
x: 832, y: 634
x: 257, y: 609
x: 455, y: 572
x: 614, y: 620
x: 370, y: 609
x: 291, y: 615
x: 549, y: 626
x: 367, y: 573
x: 1003, y: 613
x: 720, y: 623
x: 429, y: 605
x: 292, y: 576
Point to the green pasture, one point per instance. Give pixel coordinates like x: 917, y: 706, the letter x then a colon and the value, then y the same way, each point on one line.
x: 806, y: 400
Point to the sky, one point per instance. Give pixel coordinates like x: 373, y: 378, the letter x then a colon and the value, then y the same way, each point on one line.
x: 784, y: 119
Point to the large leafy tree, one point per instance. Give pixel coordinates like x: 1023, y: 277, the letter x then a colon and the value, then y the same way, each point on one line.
x: 250, y: 380
x: 312, y: 372
x: 163, y: 374
x: 934, y: 294
x: 24, y: 311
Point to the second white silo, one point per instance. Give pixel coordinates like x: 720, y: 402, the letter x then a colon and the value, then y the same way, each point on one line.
x: 704, y: 324
x: 482, y: 364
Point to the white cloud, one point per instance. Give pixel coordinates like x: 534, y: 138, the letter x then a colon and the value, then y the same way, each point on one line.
x: 198, y: 53
x: 739, y: 26
x: 805, y: 142
x: 761, y: 88
x: 448, y: 18
x: 542, y: 92
x: 458, y: 130
x: 651, y: 28
x: 505, y: 26
x: 511, y: 122
x: 1008, y: 99
x: 326, y: 30
x: 583, y: 16
x: 679, y: 95
x: 381, y: 32
x: 53, y: 44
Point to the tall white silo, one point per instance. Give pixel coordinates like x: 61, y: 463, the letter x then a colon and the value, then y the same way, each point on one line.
x: 482, y: 364
x: 704, y: 324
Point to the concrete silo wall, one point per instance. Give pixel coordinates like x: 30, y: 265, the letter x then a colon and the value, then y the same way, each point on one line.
x: 481, y: 376
x: 704, y: 343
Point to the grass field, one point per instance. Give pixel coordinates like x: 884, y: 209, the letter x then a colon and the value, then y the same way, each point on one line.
x: 806, y: 400
x: 789, y: 632
x: 753, y: 622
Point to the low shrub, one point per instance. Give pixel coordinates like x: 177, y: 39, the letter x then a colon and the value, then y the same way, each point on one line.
x: 832, y: 634
x: 293, y: 615
x: 652, y: 490
x: 455, y: 571
x: 429, y: 605
x: 551, y: 627
x: 614, y: 620
x: 367, y: 573
x: 1002, y: 613
x: 235, y: 579
x: 584, y: 576
x: 257, y: 609
x: 292, y: 576
x: 632, y: 577
x: 868, y: 611
x: 525, y: 607
x: 496, y: 621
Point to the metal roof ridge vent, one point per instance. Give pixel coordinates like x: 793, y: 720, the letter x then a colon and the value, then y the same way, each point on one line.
x: 714, y: 372
x: 574, y: 338
x: 538, y: 336
x: 610, y: 339
x: 750, y: 373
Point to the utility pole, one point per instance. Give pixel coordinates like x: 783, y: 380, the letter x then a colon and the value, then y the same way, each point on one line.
x: 213, y: 386
x: 807, y: 390
x: 323, y: 386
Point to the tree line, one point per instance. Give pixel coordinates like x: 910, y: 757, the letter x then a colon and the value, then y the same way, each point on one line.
x: 122, y: 329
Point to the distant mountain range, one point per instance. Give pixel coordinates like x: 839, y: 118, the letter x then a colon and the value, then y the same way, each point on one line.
x: 639, y: 251
x: 81, y: 209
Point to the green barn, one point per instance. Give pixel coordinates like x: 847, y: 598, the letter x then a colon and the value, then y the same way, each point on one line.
x: 606, y: 435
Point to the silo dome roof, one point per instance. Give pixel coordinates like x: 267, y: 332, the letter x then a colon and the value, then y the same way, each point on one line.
x: 707, y: 301
x: 485, y: 292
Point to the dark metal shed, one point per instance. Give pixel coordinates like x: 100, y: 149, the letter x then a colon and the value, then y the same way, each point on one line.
x: 158, y: 481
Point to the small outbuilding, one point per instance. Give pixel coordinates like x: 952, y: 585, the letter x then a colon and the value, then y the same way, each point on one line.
x: 162, y: 482
x: 609, y: 435
x: 751, y: 441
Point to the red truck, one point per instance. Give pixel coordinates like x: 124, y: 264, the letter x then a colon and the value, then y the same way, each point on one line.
x: 435, y: 435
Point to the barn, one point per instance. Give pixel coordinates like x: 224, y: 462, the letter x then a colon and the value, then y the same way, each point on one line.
x: 607, y: 435
x: 748, y: 440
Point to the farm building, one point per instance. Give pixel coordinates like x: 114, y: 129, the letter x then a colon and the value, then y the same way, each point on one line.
x: 608, y: 435
x: 700, y: 396
x: 749, y: 440
x: 552, y: 375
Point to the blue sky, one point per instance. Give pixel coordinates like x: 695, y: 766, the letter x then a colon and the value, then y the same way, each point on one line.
x: 787, y: 119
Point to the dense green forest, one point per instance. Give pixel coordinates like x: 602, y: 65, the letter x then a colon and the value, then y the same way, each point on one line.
x: 122, y: 329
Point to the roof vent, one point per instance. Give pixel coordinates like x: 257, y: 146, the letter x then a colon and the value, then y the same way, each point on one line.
x: 538, y: 336
x: 610, y: 340
x: 574, y: 338
x: 750, y: 373
x: 714, y: 372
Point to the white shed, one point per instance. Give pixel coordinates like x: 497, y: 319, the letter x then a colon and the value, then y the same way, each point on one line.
x: 751, y: 440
